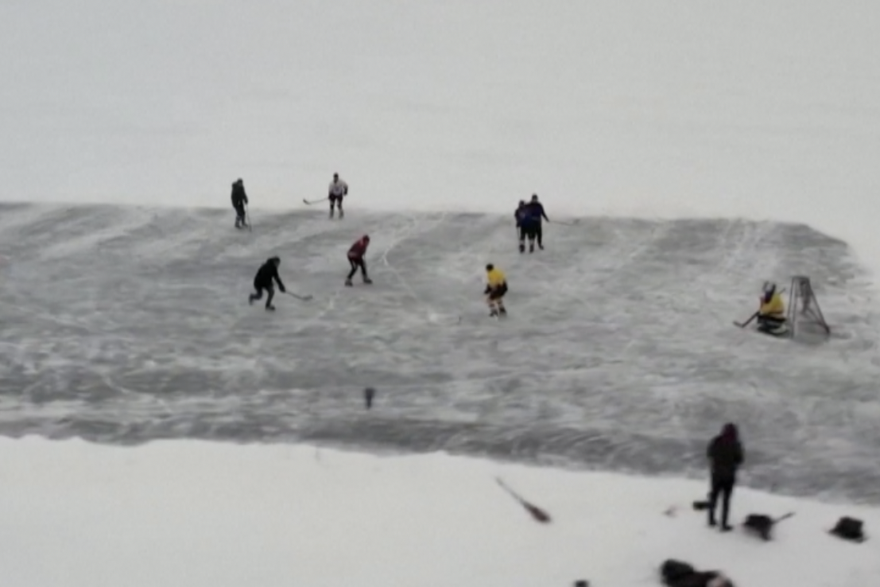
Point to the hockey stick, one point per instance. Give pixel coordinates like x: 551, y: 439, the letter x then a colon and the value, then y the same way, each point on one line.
x: 537, y: 513
x: 563, y: 223
x: 247, y: 217
x: 310, y: 202
x: 747, y: 322
x: 304, y: 298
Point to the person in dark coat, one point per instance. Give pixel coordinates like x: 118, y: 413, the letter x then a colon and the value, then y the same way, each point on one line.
x: 530, y: 224
x: 726, y: 454
x: 239, y: 200
x: 267, y: 273
x: 519, y: 215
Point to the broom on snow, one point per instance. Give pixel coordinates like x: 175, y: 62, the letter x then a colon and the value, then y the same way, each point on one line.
x: 537, y: 513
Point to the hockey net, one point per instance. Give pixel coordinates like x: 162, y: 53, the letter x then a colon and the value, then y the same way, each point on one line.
x: 804, y: 313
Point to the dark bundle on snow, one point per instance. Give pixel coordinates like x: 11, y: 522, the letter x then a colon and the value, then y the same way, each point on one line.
x: 680, y: 574
x: 762, y: 525
x: 850, y: 529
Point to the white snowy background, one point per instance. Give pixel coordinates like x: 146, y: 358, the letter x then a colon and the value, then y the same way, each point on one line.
x: 767, y: 110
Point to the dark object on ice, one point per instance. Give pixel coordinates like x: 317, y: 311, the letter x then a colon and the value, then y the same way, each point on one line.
x: 537, y: 513
x: 581, y: 583
x: 849, y: 529
x: 701, y: 505
x: 369, y: 394
x: 725, y: 454
x: 762, y: 525
x: 680, y: 574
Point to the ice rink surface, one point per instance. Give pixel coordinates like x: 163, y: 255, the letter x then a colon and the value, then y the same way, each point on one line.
x: 124, y: 324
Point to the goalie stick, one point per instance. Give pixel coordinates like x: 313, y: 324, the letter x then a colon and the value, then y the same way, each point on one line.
x: 537, y: 513
x: 747, y: 322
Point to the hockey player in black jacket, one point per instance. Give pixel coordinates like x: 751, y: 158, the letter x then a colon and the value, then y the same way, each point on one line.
x: 267, y: 273
x: 725, y: 454
x: 529, y: 222
x: 239, y: 201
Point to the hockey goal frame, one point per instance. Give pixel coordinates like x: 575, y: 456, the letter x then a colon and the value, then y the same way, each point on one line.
x: 802, y: 302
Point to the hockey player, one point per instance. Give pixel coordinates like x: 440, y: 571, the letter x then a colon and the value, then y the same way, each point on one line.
x: 496, y: 287
x: 356, y: 259
x: 267, y: 273
x: 531, y: 225
x: 520, y: 214
x: 771, y: 315
x: 338, y: 190
x: 725, y: 454
x: 239, y: 200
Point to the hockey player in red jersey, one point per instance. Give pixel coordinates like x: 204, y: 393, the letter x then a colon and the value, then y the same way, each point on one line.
x: 356, y: 259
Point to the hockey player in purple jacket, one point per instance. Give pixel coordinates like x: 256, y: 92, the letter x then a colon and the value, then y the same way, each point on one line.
x: 530, y: 225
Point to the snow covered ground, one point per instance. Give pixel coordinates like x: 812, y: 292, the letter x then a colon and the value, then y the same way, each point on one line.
x: 647, y: 109
x: 191, y: 513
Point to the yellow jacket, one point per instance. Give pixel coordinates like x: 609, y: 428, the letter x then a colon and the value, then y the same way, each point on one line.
x: 495, y: 278
x: 775, y: 308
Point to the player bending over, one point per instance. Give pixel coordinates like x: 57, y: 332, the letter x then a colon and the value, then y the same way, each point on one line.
x: 771, y: 315
x: 338, y: 190
x: 496, y: 287
x: 267, y: 273
x: 356, y: 259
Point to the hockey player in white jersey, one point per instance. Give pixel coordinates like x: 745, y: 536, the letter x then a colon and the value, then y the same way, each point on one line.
x: 338, y: 190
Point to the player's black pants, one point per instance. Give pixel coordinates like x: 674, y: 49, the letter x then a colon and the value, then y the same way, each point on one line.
x: 357, y: 262
x: 720, y: 489
x: 259, y: 293
x: 239, y: 214
x: 532, y: 233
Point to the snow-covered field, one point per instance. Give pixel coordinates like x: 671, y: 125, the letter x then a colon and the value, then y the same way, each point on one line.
x: 647, y: 109
x: 191, y: 513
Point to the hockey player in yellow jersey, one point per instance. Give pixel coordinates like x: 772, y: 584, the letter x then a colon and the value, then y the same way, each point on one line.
x: 771, y: 315
x: 496, y: 287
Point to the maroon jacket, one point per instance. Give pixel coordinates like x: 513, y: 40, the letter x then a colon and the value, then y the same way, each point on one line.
x: 359, y: 248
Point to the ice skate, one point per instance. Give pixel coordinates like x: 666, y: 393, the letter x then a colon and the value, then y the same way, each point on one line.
x: 348, y: 283
x: 368, y: 281
x: 270, y: 308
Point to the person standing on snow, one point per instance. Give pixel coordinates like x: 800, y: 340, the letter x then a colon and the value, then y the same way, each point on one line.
x: 356, y: 259
x: 338, y: 190
x: 531, y: 224
x: 239, y: 200
x: 520, y: 215
x: 725, y: 454
x: 267, y: 273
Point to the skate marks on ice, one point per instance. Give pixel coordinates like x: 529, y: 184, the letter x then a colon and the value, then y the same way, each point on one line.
x: 618, y: 352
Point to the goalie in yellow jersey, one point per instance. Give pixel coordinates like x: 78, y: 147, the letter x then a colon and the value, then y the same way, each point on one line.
x: 771, y: 315
x: 496, y: 287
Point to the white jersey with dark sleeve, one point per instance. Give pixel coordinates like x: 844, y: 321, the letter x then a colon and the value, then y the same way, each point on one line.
x: 338, y: 188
